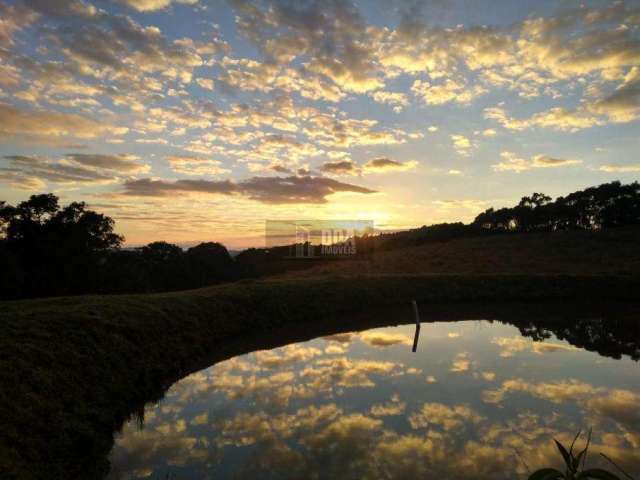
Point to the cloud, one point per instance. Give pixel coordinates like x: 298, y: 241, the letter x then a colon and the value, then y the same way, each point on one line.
x: 150, y: 5
x: 48, y: 127
x: 205, y: 83
x: 263, y: 189
x: 331, y: 37
x: 448, y: 91
x: 191, y: 165
x: 20, y: 182
x: 622, y: 105
x: 376, y: 165
x: 330, y: 131
x: 620, y: 168
x: 340, y: 167
x: 62, y: 8
x: 266, y: 77
x: 13, y: 18
x: 557, y: 118
x: 512, y: 163
x: 120, y: 163
x: 384, y: 164
x: 544, y: 161
x: 397, y: 100
x: 117, y: 48
x: 34, y: 171
x: 462, y: 145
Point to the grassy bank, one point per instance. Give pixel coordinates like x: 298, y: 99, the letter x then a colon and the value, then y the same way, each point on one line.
x: 72, y: 368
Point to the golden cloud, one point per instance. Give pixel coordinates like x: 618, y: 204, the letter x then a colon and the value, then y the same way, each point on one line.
x: 49, y: 127
x: 192, y: 165
x: 511, y: 162
x: 262, y: 189
x: 384, y: 339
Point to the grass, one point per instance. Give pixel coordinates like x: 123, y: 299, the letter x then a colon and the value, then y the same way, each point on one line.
x: 72, y: 369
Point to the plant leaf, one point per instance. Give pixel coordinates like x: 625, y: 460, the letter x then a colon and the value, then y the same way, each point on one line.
x: 576, y: 460
x: 565, y: 455
x: 597, y: 474
x: 574, y: 442
x: 546, y: 474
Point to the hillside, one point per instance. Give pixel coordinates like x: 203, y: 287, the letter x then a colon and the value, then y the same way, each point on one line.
x: 613, y: 251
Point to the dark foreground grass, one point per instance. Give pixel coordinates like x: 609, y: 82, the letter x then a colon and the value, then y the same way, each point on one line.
x: 72, y: 369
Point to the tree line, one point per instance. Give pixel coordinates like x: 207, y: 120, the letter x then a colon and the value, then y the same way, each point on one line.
x: 595, y: 208
x: 47, y: 249
x: 605, y: 206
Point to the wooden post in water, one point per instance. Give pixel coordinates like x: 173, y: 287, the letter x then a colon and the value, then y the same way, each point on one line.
x: 417, y: 334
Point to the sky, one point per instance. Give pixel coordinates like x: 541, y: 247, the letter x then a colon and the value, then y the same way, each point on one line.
x: 198, y: 120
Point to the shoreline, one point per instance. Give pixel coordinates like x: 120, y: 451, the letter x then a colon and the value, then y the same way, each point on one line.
x: 73, y: 367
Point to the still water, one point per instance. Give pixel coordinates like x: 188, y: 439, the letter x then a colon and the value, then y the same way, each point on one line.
x: 478, y: 399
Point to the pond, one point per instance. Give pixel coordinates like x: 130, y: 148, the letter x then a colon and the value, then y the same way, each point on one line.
x: 477, y: 399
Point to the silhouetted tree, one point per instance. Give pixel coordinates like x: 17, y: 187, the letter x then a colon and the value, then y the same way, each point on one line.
x: 57, y: 251
x: 210, y: 262
x: 607, y: 205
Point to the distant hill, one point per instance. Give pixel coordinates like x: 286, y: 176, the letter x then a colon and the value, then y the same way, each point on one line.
x: 613, y: 251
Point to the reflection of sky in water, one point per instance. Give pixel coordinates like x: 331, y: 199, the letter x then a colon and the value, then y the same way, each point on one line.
x: 477, y: 400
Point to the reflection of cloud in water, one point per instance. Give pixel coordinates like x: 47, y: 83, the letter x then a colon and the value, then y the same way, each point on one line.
x: 602, y: 407
x: 394, y: 407
x: 335, y: 350
x: 340, y: 337
x: 334, y: 408
x: 329, y: 373
x: 377, y: 338
x: 556, y: 392
x: 285, y: 356
x: 460, y: 363
x: 443, y: 416
x: 488, y: 376
x: 512, y: 345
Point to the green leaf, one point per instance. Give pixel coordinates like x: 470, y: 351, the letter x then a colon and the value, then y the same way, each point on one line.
x: 546, y: 474
x: 565, y: 455
x: 597, y: 474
